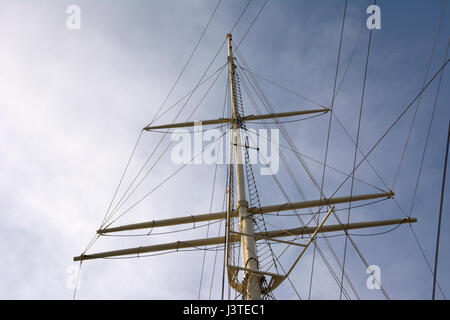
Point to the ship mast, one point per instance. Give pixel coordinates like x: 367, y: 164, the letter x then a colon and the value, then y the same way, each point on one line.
x: 252, y: 281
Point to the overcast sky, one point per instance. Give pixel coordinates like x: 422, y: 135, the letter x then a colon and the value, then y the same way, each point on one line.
x: 73, y: 102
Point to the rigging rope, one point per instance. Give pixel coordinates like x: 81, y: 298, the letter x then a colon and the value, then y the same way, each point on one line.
x: 217, y: 246
x: 77, y: 281
x: 287, y: 198
x: 327, y: 145
x: 284, y: 88
x: 121, y: 178
x: 159, y: 185
x: 319, y: 162
x: 300, y: 192
x: 420, y: 171
x: 240, y: 108
x: 295, y: 182
x: 337, y: 91
x: 207, y: 229
x: 354, y: 160
x: 187, y: 94
x: 229, y: 204
x: 253, y: 195
x: 197, y: 85
x: 151, y: 233
x: 440, y: 215
x: 419, y: 245
x: 210, y: 209
x: 440, y: 209
x: 189, y: 59
x: 162, y: 105
x: 420, y: 98
x: 325, y: 211
x: 312, y: 177
x: 393, y: 124
x: 428, y: 135
x: 253, y: 22
x: 123, y: 199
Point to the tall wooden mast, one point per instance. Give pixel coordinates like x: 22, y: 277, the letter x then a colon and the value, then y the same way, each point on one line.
x: 249, y: 258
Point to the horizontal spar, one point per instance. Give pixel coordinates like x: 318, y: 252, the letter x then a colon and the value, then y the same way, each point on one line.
x: 283, y: 114
x: 228, y: 120
x: 236, y: 238
x: 222, y: 215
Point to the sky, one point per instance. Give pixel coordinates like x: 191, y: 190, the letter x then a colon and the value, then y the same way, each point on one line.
x: 74, y: 101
